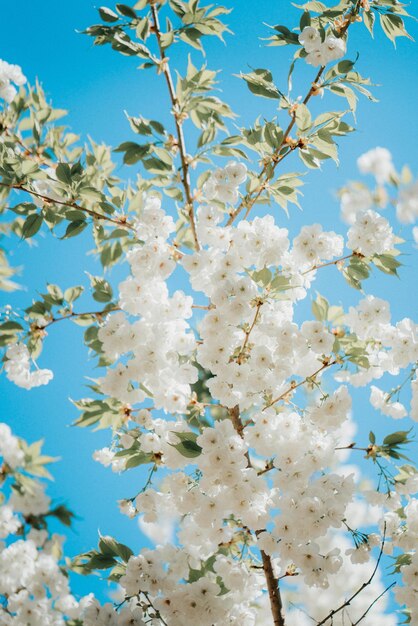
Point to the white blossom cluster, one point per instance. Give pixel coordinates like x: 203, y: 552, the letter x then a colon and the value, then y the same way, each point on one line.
x: 10, y: 75
x: 18, y: 368
x: 161, y: 338
x: 249, y: 341
x: 34, y: 590
x: 321, y: 52
x: 237, y: 403
x: 357, y: 198
x: 265, y: 476
x: 223, y: 183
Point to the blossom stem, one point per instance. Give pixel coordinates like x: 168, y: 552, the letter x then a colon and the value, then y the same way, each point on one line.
x: 119, y: 222
x: 185, y: 166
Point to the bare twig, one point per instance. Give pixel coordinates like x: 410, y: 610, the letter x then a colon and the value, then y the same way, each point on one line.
x: 360, y: 589
x: 373, y: 603
x: 185, y: 165
x: 335, y: 262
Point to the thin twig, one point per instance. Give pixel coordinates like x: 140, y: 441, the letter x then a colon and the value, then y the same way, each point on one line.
x: 185, y: 166
x: 374, y: 602
x: 249, y: 331
x: 294, y: 386
x: 335, y: 262
x: 72, y: 314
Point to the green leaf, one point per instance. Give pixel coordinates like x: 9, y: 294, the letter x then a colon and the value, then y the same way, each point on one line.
x: 31, y: 225
x: 187, y: 446
x: 10, y: 326
x: 110, y: 547
x: 62, y: 513
x: 320, y: 308
x: 139, y: 458
x: 63, y: 173
x: 305, y: 20
x: 386, y: 263
x: 101, y: 561
x: 72, y: 293
x: 369, y: 20
x: 56, y: 293
x: 134, y: 152
x: 303, y: 118
x: 102, y: 291
x: 126, y: 10
x: 108, y: 15
x: 260, y: 83
x: 393, y: 26
x: 74, y: 228
x: 401, y: 436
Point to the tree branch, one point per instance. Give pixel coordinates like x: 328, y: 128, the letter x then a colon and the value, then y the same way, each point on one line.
x: 273, y: 590
x: 73, y: 314
x: 272, y: 582
x: 185, y: 166
x: 269, y: 168
x: 73, y: 205
x: 249, y: 331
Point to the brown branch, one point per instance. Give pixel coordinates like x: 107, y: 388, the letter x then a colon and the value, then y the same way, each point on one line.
x: 360, y: 589
x: 273, y: 590
x: 294, y: 386
x: 272, y: 582
x: 236, y: 420
x: 185, y: 165
x: 73, y: 205
x: 269, y: 466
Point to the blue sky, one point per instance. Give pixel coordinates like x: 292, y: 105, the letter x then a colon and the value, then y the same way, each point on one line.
x: 96, y: 85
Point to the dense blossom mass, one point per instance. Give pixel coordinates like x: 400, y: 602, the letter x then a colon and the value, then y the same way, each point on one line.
x: 240, y: 405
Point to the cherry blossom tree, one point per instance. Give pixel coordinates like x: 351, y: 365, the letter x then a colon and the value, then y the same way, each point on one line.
x: 241, y: 414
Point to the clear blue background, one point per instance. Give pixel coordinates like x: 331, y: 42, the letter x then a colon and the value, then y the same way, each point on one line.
x: 96, y: 85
